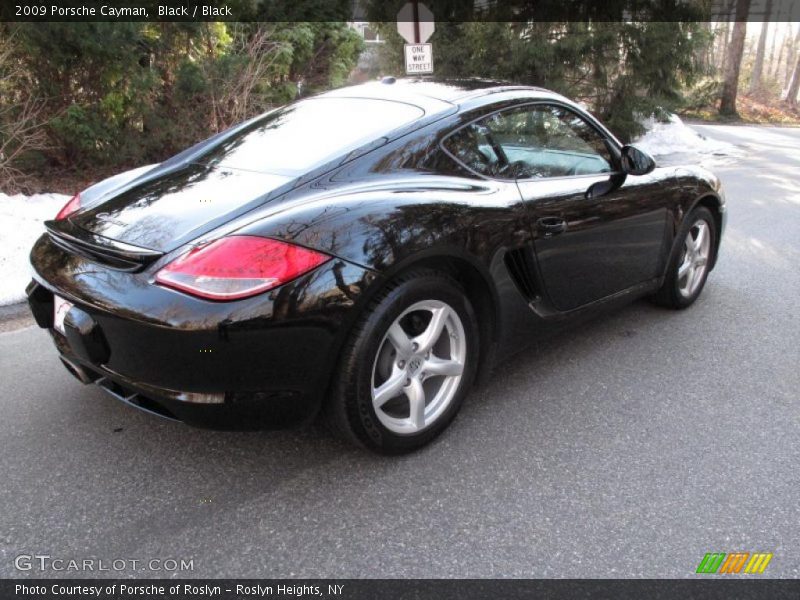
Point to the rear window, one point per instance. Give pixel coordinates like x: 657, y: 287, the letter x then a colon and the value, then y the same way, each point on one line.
x: 307, y: 134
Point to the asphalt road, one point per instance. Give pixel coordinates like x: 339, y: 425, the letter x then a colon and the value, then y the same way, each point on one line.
x: 627, y: 448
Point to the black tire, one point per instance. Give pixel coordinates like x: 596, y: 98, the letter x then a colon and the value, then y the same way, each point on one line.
x: 670, y: 295
x: 349, y: 411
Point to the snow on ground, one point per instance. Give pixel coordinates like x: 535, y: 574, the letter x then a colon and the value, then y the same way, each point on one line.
x: 21, y: 219
x: 675, y: 138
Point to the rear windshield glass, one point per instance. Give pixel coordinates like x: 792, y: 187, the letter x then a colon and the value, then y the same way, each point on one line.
x: 307, y: 134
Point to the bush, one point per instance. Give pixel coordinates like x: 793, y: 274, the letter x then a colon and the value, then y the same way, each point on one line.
x: 120, y: 94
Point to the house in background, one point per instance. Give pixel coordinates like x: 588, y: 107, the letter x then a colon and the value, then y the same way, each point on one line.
x: 367, y: 67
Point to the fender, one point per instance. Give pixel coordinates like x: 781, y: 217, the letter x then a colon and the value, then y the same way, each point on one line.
x: 717, y: 205
x: 390, y: 224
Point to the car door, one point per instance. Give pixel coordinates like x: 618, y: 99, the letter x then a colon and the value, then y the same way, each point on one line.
x: 588, y: 246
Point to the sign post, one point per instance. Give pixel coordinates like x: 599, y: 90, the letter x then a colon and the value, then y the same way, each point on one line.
x: 415, y: 24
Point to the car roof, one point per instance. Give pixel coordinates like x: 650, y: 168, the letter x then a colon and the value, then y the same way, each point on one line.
x: 428, y: 91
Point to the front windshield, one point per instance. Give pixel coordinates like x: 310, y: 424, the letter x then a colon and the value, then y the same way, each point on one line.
x: 298, y: 137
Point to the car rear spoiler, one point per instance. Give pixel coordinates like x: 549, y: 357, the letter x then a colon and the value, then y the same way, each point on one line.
x: 116, y: 254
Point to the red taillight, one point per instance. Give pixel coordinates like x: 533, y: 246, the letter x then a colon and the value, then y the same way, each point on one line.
x: 70, y: 207
x: 238, y: 266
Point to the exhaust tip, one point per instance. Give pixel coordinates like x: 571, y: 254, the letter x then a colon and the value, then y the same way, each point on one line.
x: 77, y: 371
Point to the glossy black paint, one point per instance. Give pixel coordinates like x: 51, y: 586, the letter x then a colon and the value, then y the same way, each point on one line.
x: 533, y: 256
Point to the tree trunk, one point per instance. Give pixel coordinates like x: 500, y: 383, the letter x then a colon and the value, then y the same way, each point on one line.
x: 714, y: 45
x: 793, y: 54
x: 791, y: 96
x: 776, y: 68
x: 725, y: 42
x: 730, y: 86
x: 705, y: 53
x: 777, y: 42
x: 758, y: 66
x: 722, y: 34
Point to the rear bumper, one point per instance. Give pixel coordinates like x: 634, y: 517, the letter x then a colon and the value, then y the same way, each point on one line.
x: 233, y: 411
x: 259, y: 363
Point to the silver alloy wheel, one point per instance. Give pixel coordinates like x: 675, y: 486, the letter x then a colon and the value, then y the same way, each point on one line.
x: 696, y: 253
x: 418, y: 367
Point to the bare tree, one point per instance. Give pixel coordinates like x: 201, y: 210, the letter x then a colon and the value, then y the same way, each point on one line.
x: 21, y: 120
x: 236, y: 98
x: 794, y: 87
x: 776, y: 62
x: 758, y: 65
x: 777, y: 42
x: 724, y: 39
x: 730, y: 84
x: 704, y: 57
x: 792, y: 56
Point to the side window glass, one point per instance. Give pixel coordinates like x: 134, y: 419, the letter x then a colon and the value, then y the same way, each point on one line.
x: 471, y: 145
x: 531, y: 142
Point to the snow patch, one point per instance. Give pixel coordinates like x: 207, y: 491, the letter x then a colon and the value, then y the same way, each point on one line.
x: 21, y: 219
x: 675, y: 137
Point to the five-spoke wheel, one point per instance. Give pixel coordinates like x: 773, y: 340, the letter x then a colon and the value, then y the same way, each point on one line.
x: 693, y: 257
x: 408, y: 365
x: 418, y: 366
x: 696, y: 252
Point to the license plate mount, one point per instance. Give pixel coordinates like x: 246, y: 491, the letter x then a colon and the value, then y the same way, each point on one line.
x: 60, y: 309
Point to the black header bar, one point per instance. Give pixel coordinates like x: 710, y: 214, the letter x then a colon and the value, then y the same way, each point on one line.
x: 386, y: 10
x: 712, y: 588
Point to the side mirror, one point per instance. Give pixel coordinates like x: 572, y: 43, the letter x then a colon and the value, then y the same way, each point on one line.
x: 606, y: 186
x: 636, y: 162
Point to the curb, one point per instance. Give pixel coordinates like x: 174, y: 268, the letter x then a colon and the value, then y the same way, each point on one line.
x: 15, y: 316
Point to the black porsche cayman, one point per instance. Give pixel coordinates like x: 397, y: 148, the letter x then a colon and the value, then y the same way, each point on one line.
x: 363, y: 253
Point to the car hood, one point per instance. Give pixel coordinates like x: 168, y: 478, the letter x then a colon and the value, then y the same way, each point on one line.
x: 166, y: 211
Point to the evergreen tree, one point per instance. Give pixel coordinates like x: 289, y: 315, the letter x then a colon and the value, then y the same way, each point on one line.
x: 622, y: 70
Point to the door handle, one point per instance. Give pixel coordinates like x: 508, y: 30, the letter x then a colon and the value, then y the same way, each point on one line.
x: 551, y: 225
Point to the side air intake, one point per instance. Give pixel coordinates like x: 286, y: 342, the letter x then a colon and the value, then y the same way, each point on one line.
x: 519, y: 263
